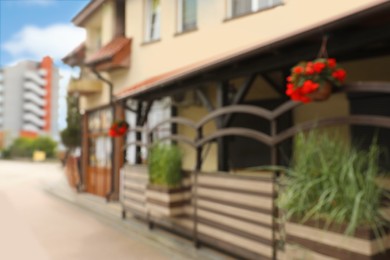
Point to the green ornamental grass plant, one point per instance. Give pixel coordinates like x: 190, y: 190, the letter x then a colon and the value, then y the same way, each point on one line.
x: 333, y: 182
x: 165, y: 165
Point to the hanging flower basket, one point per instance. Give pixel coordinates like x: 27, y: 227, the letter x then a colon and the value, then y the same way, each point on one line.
x: 118, y: 129
x: 313, y: 80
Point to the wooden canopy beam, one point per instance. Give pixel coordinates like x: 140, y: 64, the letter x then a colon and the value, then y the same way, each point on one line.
x: 205, y: 101
x: 239, y: 97
x: 276, y: 86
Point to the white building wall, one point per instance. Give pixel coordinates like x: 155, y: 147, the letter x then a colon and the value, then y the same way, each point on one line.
x: 22, y: 100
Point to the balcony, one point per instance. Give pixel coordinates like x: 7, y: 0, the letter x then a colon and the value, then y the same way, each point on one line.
x: 85, y: 86
x: 33, y: 108
x: 30, y: 128
x: 35, y: 77
x: 34, y: 98
x: 30, y: 118
x: 35, y: 88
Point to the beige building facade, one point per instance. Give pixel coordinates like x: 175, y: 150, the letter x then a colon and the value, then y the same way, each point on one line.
x: 217, y: 31
x: 172, y: 49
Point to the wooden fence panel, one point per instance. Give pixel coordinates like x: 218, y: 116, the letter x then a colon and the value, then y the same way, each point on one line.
x: 134, y: 180
x: 236, y: 214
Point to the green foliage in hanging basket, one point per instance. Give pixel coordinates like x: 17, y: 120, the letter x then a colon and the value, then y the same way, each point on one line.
x: 164, y: 162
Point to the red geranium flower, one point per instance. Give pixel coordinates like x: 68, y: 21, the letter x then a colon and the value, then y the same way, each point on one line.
x: 318, y: 67
x: 309, y: 70
x: 331, y: 63
x: 298, y: 70
x: 111, y: 133
x: 118, y: 129
x: 340, y: 75
x: 309, y: 86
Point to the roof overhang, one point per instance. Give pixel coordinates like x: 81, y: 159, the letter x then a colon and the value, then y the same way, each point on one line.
x: 75, y: 57
x: 87, y: 12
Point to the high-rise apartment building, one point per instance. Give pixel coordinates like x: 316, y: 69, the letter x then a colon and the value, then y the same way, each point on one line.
x: 28, y: 100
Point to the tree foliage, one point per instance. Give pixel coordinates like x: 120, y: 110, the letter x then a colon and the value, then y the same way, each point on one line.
x: 71, y: 135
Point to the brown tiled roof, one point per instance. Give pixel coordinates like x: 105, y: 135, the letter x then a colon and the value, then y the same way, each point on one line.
x: 115, y: 54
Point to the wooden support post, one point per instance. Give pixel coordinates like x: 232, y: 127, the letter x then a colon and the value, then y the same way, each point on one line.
x: 138, y: 135
x: 110, y: 194
x: 222, y: 100
x: 194, y: 196
x: 84, y: 154
x: 274, y: 150
x: 119, y: 158
x: 174, y: 129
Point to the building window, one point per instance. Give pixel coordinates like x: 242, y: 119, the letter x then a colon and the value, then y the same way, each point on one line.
x: 95, y: 39
x: 187, y: 15
x: 120, y: 22
x: 242, y: 7
x: 153, y: 20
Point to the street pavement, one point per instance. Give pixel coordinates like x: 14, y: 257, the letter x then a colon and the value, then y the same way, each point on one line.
x: 36, y: 225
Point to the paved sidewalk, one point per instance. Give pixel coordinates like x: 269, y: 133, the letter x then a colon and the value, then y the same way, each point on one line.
x: 110, y: 213
x: 35, y: 225
x: 15, y: 233
x: 76, y: 226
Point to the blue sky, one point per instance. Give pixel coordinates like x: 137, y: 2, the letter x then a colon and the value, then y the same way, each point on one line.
x: 31, y: 29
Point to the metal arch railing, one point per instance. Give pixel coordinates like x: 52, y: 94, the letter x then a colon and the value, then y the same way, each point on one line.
x: 378, y: 121
x: 174, y: 120
x: 236, y: 131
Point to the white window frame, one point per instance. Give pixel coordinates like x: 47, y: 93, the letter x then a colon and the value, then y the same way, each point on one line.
x: 180, y: 25
x: 148, y: 15
x: 255, y: 7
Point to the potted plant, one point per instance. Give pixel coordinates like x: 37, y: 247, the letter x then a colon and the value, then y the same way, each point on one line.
x: 167, y: 194
x: 118, y: 128
x: 313, y: 80
x: 332, y: 202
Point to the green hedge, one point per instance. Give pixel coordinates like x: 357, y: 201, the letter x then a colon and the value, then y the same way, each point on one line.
x: 24, y: 147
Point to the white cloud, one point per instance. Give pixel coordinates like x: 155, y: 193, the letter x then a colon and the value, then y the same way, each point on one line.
x: 33, y: 42
x: 56, y: 41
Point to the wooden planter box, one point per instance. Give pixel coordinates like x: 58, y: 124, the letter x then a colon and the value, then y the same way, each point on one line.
x: 311, y: 241
x: 163, y: 202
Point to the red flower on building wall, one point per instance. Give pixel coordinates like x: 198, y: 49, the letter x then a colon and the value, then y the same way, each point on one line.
x: 118, y: 129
